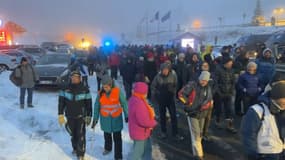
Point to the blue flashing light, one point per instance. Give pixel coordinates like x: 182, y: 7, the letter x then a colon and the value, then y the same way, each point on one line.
x: 107, y: 43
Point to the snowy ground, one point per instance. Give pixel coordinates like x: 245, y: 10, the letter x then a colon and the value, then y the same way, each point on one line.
x: 34, y: 134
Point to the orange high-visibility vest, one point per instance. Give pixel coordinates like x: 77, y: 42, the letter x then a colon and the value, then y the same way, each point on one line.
x: 110, y: 106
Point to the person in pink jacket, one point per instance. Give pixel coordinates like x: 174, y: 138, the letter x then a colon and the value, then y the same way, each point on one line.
x: 141, y: 122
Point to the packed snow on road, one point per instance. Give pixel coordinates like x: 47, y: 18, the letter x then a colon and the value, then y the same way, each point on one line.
x: 34, y: 133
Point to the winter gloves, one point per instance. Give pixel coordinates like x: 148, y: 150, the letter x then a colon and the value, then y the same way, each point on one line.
x: 61, y: 119
x: 87, y: 120
x: 126, y: 119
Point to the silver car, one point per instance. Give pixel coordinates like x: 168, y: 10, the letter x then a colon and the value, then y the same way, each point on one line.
x: 7, y: 62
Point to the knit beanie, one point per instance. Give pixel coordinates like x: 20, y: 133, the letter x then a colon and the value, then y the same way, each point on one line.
x: 278, y: 91
x: 141, y: 88
x: 107, y: 80
x: 251, y: 64
x: 204, y: 76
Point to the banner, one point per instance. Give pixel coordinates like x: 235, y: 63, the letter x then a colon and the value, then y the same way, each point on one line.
x: 166, y: 16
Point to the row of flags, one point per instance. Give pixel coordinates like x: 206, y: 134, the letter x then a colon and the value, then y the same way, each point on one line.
x: 163, y: 18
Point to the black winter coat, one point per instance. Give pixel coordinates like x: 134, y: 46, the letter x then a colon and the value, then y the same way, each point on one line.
x: 75, y: 101
x: 224, y: 81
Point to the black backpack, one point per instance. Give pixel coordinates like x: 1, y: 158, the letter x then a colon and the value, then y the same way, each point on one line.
x: 16, y: 80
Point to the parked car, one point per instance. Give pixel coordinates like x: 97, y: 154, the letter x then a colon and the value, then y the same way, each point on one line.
x: 50, y: 46
x: 51, y: 68
x: 7, y: 62
x: 18, y: 55
x: 252, y: 42
x: 35, y: 51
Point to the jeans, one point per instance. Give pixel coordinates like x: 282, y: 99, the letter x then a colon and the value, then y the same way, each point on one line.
x: 118, y: 143
x: 238, y: 100
x: 142, y: 150
x: 223, y: 102
x: 23, y: 93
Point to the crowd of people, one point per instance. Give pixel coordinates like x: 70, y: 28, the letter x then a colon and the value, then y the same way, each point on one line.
x: 159, y: 79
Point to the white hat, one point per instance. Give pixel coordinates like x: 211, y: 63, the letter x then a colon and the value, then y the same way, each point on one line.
x: 204, y: 76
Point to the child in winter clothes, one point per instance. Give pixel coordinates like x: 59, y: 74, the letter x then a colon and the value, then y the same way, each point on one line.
x: 141, y: 122
x: 250, y: 85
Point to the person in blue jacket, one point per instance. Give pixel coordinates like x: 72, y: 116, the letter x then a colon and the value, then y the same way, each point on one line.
x: 266, y: 67
x: 263, y: 126
x: 250, y: 86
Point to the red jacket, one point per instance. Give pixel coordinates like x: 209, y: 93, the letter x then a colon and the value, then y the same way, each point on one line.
x: 114, y: 60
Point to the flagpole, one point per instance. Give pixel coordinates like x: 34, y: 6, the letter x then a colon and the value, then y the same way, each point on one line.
x: 170, y: 25
x: 147, y: 27
x: 158, y: 28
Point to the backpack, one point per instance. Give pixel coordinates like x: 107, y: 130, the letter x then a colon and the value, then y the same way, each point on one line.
x: 16, y: 80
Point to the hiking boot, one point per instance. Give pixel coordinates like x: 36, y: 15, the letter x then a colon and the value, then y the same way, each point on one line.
x: 30, y: 105
x: 22, y: 106
x: 80, y: 157
x: 106, y: 152
x: 178, y: 137
x: 163, y: 135
x: 230, y: 126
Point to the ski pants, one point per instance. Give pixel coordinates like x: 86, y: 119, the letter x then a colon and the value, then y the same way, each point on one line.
x: 170, y: 105
x: 77, y: 131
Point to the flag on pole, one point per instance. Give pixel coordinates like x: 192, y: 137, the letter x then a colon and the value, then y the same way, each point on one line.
x: 166, y: 16
x: 156, y: 17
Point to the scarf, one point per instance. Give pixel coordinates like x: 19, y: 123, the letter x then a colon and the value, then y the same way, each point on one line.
x: 149, y: 108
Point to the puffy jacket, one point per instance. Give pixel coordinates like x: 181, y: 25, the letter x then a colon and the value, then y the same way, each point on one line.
x: 224, y: 81
x: 164, y: 87
x: 28, y: 75
x: 198, y: 97
x: 265, y: 70
x: 110, y: 124
x: 250, y: 83
x: 140, y: 123
x: 255, y: 125
x: 75, y: 101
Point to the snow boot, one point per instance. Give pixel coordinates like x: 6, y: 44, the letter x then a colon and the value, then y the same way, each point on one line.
x: 106, y: 152
x: 22, y: 106
x: 30, y: 105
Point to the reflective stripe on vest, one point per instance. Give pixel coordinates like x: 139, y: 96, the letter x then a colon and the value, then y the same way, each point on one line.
x: 268, y: 140
x: 110, y: 105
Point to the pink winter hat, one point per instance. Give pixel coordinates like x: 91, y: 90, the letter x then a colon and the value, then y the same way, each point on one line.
x: 140, y: 87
